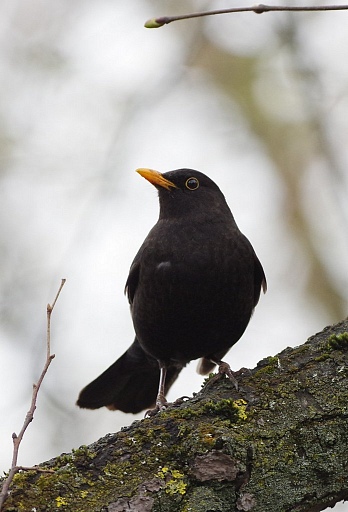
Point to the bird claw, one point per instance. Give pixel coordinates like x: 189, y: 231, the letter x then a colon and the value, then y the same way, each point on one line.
x: 152, y: 412
x: 162, y: 405
x: 181, y: 400
x: 224, y: 369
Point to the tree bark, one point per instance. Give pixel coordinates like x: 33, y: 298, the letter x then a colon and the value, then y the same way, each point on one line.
x: 278, y: 444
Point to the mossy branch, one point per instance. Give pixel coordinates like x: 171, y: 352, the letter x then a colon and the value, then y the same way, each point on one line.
x: 279, y: 443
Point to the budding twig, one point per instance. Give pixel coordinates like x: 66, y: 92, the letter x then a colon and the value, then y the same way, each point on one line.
x: 258, y: 9
x: 30, y: 414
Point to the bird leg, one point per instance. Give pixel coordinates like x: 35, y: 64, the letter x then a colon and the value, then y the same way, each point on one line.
x: 225, y: 369
x: 161, y: 402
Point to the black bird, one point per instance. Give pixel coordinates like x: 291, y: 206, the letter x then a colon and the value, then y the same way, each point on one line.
x: 192, y: 289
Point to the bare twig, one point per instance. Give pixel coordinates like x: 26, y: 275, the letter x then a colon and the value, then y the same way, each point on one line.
x: 49, y: 312
x: 258, y: 9
x: 30, y: 414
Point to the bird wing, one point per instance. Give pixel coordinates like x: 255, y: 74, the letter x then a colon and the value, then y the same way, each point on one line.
x: 133, y: 277
x: 259, y: 280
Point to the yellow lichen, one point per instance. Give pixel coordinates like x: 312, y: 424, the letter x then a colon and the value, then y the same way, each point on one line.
x: 241, y: 405
x: 61, y: 502
x: 177, y: 474
x: 176, y: 487
x: 174, y: 480
x: 162, y: 472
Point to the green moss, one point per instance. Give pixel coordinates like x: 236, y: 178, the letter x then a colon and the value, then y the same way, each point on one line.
x: 226, y: 408
x: 203, y: 499
x: 268, y: 366
x: 323, y: 357
x: 338, y: 341
x: 207, y: 379
x: 77, y: 456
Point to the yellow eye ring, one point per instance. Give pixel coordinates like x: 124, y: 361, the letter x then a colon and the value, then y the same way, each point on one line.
x: 192, y: 183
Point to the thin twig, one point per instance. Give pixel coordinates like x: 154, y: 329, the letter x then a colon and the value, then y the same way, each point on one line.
x: 258, y: 9
x: 49, y: 312
x: 30, y: 414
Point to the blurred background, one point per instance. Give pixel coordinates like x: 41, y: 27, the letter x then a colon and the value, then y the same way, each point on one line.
x: 87, y: 95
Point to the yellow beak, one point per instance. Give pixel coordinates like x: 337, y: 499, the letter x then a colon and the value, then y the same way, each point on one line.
x: 156, y: 178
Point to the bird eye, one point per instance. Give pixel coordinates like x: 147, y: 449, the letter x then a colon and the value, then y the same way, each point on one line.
x: 192, y: 183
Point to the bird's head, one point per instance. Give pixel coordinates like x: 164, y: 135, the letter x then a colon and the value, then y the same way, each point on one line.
x: 186, y: 191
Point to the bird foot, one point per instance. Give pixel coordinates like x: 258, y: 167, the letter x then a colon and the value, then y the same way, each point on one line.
x: 225, y: 369
x: 181, y: 400
x: 162, y: 405
x: 154, y: 411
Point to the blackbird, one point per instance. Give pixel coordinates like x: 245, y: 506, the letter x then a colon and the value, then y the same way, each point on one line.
x: 192, y: 289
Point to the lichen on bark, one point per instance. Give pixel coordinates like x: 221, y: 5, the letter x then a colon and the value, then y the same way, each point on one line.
x: 278, y: 444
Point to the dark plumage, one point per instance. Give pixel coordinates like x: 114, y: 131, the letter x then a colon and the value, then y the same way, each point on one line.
x: 192, y: 288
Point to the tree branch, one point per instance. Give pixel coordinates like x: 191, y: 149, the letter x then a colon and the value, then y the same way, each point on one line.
x: 279, y: 443
x: 258, y: 9
x: 17, y: 439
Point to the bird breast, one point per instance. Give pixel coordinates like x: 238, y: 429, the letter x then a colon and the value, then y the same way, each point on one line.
x: 195, y: 286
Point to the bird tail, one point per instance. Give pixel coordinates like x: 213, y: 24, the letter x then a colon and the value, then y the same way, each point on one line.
x: 128, y: 385
x: 205, y: 366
